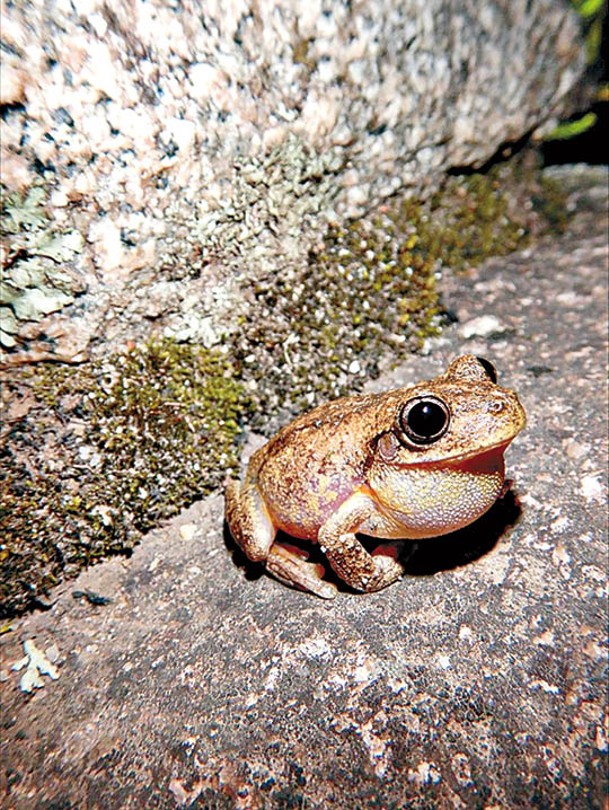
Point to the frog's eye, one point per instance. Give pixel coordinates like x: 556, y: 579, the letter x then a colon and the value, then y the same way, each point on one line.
x: 489, y: 368
x: 424, y: 419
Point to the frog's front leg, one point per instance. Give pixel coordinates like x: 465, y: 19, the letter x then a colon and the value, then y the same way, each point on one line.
x: 254, y: 531
x: 345, y: 553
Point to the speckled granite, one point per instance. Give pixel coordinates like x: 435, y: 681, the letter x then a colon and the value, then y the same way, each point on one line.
x: 191, y: 147
x: 478, y: 681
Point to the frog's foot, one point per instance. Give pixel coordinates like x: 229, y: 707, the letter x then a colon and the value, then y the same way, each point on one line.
x: 289, y: 565
x: 361, y: 570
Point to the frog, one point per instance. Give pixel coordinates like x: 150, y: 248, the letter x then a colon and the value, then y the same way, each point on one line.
x: 417, y: 462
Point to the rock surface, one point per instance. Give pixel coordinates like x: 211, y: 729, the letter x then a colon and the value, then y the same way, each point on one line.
x: 191, y: 151
x: 478, y: 681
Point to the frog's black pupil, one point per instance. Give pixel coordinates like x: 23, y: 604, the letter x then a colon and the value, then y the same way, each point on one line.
x: 491, y: 371
x: 426, y: 419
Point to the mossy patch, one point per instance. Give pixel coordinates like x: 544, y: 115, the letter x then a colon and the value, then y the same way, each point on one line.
x: 104, y: 452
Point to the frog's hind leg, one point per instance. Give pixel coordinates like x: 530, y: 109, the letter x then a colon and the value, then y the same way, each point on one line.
x: 248, y: 519
x: 289, y: 565
x: 254, y: 531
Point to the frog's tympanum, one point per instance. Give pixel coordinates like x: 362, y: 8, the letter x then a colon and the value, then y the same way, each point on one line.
x: 413, y: 463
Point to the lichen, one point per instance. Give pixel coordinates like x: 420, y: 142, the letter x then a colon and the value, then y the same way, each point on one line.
x: 143, y: 433
x: 36, y: 279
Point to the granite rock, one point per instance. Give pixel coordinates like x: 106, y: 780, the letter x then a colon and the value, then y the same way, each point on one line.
x: 477, y: 681
x: 212, y: 145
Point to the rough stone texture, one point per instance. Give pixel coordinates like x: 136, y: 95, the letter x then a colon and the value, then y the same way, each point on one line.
x: 478, y: 681
x: 197, y: 146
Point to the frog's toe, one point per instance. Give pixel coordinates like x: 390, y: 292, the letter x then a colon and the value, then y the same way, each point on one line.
x: 289, y: 565
x: 384, y: 570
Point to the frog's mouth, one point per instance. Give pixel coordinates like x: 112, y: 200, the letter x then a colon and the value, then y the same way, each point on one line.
x: 487, y: 460
x: 480, y: 459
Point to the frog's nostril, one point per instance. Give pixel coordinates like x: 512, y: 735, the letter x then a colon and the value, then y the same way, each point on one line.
x: 424, y: 419
x: 496, y: 406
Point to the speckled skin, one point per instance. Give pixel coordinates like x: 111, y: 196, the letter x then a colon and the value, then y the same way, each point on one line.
x: 349, y: 466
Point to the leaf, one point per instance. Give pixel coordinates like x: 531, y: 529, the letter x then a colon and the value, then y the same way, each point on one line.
x: 571, y: 129
x: 594, y: 38
x: 589, y: 8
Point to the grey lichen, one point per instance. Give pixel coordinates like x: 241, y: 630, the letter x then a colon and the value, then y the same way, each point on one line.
x: 36, y: 279
x: 282, y: 192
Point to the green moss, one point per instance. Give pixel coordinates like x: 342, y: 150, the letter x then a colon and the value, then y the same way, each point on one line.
x: 143, y: 434
x: 550, y: 202
x: 316, y: 329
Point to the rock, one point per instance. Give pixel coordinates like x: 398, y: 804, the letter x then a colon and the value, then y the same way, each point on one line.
x: 484, y: 326
x: 478, y: 680
x: 229, y: 140
x: 12, y: 84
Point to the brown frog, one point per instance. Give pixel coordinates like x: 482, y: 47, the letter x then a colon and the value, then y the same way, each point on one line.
x: 412, y: 463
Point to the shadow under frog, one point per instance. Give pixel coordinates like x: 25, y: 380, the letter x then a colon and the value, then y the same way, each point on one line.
x: 422, y: 462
